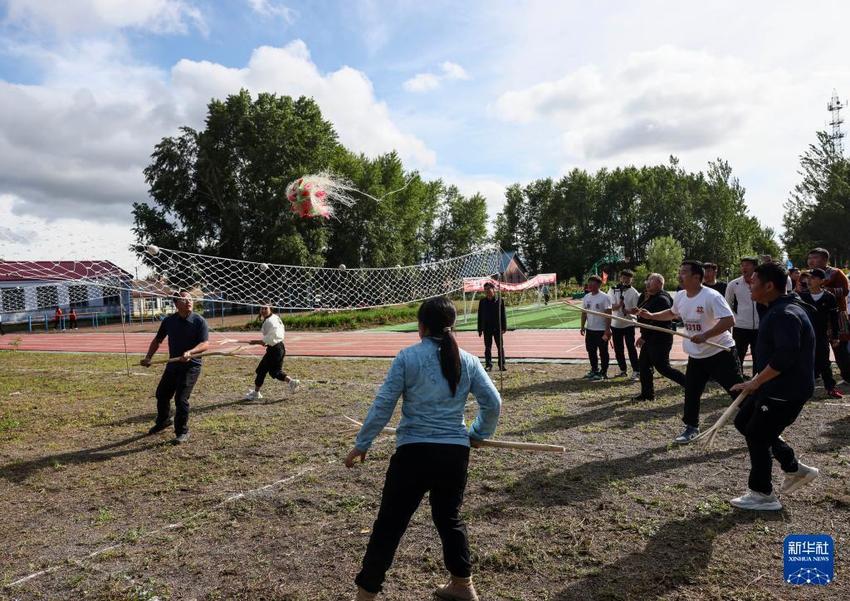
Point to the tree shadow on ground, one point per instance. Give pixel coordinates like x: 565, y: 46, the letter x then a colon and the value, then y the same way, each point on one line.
x: 678, y: 554
x: 837, y: 435
x: 195, y: 410
x: 623, y: 413
x: 547, y: 488
x: 20, y: 471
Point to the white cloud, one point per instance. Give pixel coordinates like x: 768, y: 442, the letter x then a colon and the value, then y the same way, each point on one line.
x: 424, y: 82
x: 269, y: 9
x: 90, y: 16
x: 76, y: 145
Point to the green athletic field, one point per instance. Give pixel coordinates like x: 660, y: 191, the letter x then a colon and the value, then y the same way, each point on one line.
x: 527, y: 317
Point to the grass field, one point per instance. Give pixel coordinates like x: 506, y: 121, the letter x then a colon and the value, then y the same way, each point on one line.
x: 532, y: 317
x: 115, y: 514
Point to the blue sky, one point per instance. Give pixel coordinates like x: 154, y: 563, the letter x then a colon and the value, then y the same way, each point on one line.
x: 482, y: 94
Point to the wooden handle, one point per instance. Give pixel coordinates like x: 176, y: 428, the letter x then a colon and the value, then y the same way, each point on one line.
x: 496, y: 444
x: 647, y: 326
x: 199, y: 355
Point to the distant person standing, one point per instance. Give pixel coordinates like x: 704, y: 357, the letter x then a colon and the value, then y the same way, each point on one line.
x: 824, y: 320
x: 596, y: 329
x: 72, y: 319
x: 624, y: 299
x: 711, y: 280
x: 836, y: 282
x: 492, y: 324
x: 744, y: 309
x: 57, y: 318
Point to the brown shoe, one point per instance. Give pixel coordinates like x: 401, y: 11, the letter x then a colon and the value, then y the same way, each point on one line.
x: 364, y: 595
x: 458, y: 589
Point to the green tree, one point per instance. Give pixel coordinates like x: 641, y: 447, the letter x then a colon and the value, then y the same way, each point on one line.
x: 664, y: 256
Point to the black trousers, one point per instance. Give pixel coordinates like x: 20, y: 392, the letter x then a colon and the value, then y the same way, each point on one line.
x: 722, y: 367
x: 594, y: 344
x: 655, y: 354
x: 489, y: 339
x: 625, y: 336
x: 823, y: 366
x: 745, y: 339
x: 271, y: 364
x: 438, y: 469
x: 176, y: 382
x: 761, y: 420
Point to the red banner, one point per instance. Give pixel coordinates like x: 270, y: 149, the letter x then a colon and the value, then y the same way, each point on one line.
x: 477, y: 284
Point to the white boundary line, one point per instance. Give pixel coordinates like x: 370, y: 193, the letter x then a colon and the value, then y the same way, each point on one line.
x: 230, y: 499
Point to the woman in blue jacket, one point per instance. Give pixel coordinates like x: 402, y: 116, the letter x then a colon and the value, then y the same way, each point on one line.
x: 434, y: 377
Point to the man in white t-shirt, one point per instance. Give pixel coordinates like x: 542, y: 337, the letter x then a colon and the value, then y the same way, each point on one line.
x: 272, y: 362
x: 624, y: 298
x: 706, y: 316
x: 596, y: 330
x: 744, y: 308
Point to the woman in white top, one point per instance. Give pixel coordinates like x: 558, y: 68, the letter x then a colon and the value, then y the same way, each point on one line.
x: 706, y: 316
x: 272, y: 362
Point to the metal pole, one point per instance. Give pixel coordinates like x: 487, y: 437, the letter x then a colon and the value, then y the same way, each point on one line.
x: 124, y: 333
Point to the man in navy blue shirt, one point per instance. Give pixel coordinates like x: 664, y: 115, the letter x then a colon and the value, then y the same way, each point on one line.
x: 188, y: 335
x: 785, y: 367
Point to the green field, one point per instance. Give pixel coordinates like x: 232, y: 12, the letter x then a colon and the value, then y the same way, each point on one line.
x: 527, y: 317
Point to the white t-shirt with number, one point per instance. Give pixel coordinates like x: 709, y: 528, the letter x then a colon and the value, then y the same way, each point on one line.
x: 596, y: 302
x: 699, y: 314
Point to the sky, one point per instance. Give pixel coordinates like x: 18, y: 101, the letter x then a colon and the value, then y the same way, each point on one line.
x: 479, y: 93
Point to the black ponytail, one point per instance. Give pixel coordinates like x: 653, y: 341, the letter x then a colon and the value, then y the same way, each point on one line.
x: 438, y: 316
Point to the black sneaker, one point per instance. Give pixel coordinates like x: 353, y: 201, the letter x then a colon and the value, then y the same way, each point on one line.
x: 160, y: 426
x: 181, y: 438
x: 640, y: 398
x: 503, y: 368
x: 687, y: 435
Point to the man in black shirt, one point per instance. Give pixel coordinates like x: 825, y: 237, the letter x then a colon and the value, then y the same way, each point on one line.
x: 825, y: 322
x: 711, y: 280
x: 188, y: 335
x: 784, y: 364
x: 492, y: 323
x: 655, y: 346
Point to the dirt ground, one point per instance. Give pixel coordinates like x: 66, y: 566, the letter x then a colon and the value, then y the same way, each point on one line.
x: 111, y: 513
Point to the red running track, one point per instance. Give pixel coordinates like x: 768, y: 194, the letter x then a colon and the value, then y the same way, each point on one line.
x: 520, y: 344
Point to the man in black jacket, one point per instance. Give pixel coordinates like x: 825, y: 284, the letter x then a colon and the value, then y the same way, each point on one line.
x: 785, y: 358
x: 492, y: 323
x: 655, y: 346
x: 825, y: 322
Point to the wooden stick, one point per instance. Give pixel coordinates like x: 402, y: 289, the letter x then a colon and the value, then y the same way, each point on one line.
x: 199, y: 355
x: 647, y: 326
x: 496, y: 444
x: 707, y: 437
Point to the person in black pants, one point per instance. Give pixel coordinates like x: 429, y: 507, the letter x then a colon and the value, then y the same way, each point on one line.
x: 744, y: 308
x: 188, y: 335
x: 707, y: 318
x: 492, y: 323
x: 824, y: 319
x: 624, y: 298
x: 784, y: 382
x: 272, y: 362
x: 654, y: 346
x: 596, y: 330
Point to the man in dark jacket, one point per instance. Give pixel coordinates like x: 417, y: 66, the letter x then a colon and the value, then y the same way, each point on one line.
x: 785, y: 366
x: 492, y: 323
x: 824, y: 319
x: 655, y: 346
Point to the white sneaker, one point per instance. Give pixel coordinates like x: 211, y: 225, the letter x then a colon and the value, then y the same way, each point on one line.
x: 293, y: 384
x: 253, y: 395
x: 622, y: 374
x: 635, y: 376
x: 794, y: 480
x: 757, y: 501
